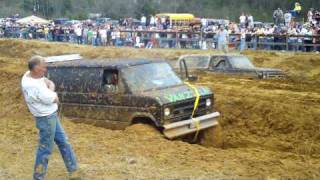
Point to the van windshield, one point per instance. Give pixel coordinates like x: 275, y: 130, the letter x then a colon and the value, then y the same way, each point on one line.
x: 150, y: 76
x: 241, y: 62
x: 197, y: 62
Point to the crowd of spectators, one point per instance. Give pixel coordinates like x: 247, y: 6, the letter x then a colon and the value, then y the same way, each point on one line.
x: 286, y: 33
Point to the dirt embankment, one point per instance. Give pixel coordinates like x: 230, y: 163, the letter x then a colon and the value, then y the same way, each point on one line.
x: 271, y: 127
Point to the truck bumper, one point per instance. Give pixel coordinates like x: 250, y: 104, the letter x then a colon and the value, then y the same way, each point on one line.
x: 189, y: 126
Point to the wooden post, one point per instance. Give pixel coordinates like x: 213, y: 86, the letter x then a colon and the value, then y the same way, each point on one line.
x: 201, y: 39
x: 287, y: 42
x: 177, y: 39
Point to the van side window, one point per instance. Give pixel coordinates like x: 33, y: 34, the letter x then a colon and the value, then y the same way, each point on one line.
x: 110, y: 80
x: 222, y: 65
x: 214, y: 61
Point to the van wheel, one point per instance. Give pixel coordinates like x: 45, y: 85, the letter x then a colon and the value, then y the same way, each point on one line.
x: 143, y: 127
x: 212, y: 137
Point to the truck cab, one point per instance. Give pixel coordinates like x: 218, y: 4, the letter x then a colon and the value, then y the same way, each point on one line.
x: 227, y: 64
x: 118, y: 93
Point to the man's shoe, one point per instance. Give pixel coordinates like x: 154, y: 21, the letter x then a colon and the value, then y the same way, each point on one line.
x: 76, y: 175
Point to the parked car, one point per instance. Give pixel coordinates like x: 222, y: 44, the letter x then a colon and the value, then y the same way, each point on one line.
x: 72, y: 22
x: 118, y: 93
x: 60, y: 21
x: 101, y: 21
x: 228, y: 64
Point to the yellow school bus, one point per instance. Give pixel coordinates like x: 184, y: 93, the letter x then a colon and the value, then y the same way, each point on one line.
x: 180, y: 19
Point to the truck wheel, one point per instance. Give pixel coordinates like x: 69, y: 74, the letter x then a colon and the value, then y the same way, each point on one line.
x: 143, y: 127
x: 212, y: 137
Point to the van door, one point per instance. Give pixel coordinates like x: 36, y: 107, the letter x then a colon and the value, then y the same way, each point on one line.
x: 110, y: 110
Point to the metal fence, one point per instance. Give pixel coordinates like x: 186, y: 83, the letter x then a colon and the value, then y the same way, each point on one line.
x: 252, y: 41
x: 188, y: 40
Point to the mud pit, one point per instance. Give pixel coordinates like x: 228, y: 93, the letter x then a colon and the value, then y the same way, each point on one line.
x: 271, y: 128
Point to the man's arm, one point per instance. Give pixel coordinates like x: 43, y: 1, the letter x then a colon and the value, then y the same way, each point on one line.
x: 56, y: 100
x: 46, y: 96
x: 43, y: 95
x: 50, y: 84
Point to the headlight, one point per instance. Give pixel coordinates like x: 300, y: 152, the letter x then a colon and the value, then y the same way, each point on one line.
x: 264, y: 76
x: 167, y: 112
x: 208, y: 102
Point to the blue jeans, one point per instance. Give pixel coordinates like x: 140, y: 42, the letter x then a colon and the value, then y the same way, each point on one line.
x: 242, y: 44
x: 50, y: 131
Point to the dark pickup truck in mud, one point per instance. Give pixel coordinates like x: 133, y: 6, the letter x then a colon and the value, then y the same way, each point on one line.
x: 228, y: 64
x: 118, y: 93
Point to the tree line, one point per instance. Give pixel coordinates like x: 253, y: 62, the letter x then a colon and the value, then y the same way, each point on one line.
x: 80, y: 9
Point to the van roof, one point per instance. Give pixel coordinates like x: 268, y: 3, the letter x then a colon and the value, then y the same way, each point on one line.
x: 106, y: 63
x: 229, y: 55
x: 211, y: 55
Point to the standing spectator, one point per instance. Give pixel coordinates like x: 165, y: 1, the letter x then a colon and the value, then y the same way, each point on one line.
x: 168, y: 23
x: 78, y: 32
x: 310, y: 16
x: 113, y: 37
x: 242, y: 19
x: 204, y: 23
x: 250, y: 21
x: 243, y: 40
x: 158, y: 23
x: 318, y: 39
x: 103, y: 36
x: 152, y: 21
x: 94, y: 36
x: 297, y: 10
x: 277, y: 16
x: 287, y: 18
x: 316, y: 18
x: 183, y: 42
x: 138, y: 43
x: 292, y: 31
x: 46, y: 32
x: 306, y: 40
x: 309, y: 40
x: 42, y: 101
x: 314, y: 40
x: 98, y: 40
x: 254, y: 39
x: 85, y: 35
x: 90, y: 36
x: 277, y: 38
x: 223, y: 39
x: 61, y: 34
x: 163, y: 22
x: 118, y: 37
x: 143, y: 21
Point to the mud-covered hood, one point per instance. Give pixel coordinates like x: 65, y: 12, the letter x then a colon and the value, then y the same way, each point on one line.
x: 178, y: 93
x: 261, y: 70
x: 264, y: 72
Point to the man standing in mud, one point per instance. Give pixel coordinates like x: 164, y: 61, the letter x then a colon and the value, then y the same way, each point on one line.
x: 42, y: 101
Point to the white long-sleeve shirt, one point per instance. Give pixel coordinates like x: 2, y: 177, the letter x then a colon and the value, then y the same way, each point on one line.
x: 39, y: 98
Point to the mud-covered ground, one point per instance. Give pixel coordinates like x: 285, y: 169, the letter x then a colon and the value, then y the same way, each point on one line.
x: 271, y: 127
